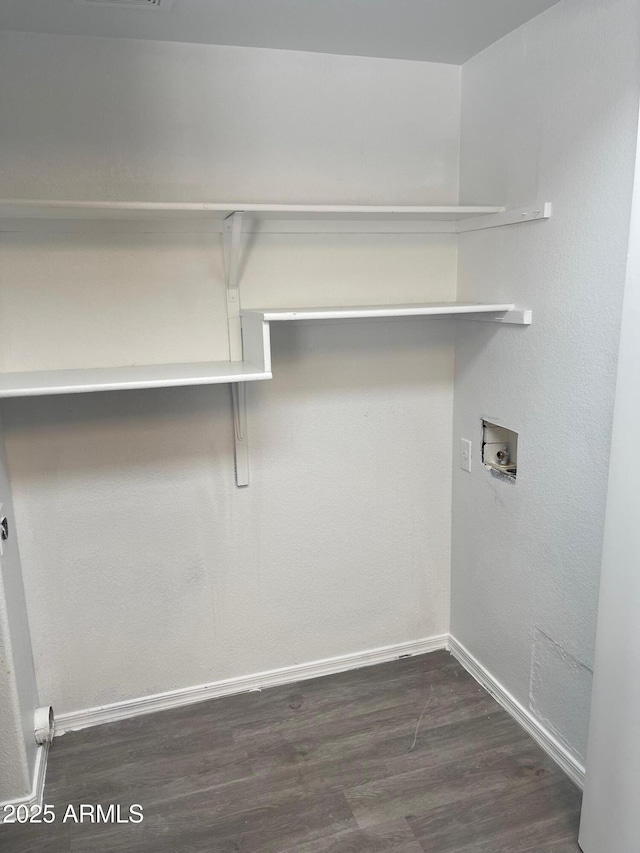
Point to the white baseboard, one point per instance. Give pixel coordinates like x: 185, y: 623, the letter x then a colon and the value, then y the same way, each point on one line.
x: 551, y: 745
x: 37, y: 791
x: 74, y: 720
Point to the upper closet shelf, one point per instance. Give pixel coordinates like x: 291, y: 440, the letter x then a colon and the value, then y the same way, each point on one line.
x: 278, y: 217
x: 149, y: 209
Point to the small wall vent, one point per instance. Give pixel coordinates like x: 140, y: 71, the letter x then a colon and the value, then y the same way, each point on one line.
x: 130, y: 4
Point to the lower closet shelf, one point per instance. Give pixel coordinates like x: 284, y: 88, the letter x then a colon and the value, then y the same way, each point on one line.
x: 41, y: 382
x: 495, y: 310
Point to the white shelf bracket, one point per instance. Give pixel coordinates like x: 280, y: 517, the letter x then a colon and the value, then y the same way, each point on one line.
x: 231, y: 242
x: 232, y: 235
x: 240, y: 438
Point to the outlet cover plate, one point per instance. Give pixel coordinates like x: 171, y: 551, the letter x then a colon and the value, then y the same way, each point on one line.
x: 465, y: 454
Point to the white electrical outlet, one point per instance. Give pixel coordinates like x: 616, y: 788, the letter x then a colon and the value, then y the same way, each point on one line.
x: 465, y: 454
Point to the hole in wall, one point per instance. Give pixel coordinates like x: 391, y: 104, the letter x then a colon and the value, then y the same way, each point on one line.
x: 500, y: 449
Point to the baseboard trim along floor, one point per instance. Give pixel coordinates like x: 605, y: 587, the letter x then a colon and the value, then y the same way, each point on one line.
x: 36, y: 796
x: 542, y: 736
x: 75, y: 720
x: 301, y: 672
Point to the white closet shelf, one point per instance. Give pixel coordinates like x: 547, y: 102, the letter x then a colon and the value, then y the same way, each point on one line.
x: 497, y: 311
x: 353, y: 311
x: 249, y: 330
x: 42, y: 208
x: 74, y: 381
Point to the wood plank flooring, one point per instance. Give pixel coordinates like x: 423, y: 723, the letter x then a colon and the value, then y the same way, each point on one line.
x: 324, y: 766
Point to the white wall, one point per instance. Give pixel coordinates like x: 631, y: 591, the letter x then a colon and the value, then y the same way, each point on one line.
x: 145, y: 568
x: 124, y: 119
x: 18, y: 691
x: 14, y: 781
x: 549, y: 113
x: 610, y: 819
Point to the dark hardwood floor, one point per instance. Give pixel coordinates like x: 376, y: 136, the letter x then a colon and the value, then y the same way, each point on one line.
x: 331, y: 765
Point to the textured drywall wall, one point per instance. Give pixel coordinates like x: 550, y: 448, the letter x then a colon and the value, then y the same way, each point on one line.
x: 145, y: 568
x: 610, y: 819
x: 14, y: 775
x: 548, y: 113
x: 18, y: 692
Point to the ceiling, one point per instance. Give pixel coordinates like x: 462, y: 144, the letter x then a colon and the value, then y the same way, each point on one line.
x: 432, y: 30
